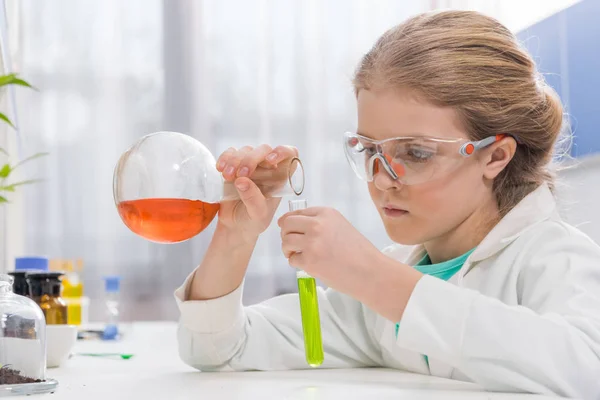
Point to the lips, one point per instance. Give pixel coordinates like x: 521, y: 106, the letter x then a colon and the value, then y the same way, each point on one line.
x: 393, y: 211
x: 393, y: 207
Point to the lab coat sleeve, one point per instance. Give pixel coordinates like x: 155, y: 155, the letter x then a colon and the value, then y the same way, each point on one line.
x: 222, y: 335
x: 549, y: 343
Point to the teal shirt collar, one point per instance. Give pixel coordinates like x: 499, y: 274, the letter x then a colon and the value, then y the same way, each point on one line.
x: 444, y: 270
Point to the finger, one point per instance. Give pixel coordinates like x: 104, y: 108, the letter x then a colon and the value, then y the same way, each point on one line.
x: 251, y: 160
x: 253, y: 199
x: 295, y: 224
x: 234, y: 161
x: 222, y: 160
x: 281, y: 153
x: 293, y: 243
x: 296, y: 260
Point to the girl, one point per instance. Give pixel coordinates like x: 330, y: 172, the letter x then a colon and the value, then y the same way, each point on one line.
x: 486, y: 283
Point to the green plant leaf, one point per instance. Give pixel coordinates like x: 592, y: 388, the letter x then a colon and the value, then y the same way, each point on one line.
x: 23, y: 161
x: 3, y: 151
x: 3, y: 200
x: 6, y: 79
x: 21, y: 82
x: 5, y: 171
x: 13, y: 186
x: 13, y: 79
x: 8, y: 121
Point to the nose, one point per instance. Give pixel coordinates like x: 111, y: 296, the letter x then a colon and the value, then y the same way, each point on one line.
x: 382, y: 180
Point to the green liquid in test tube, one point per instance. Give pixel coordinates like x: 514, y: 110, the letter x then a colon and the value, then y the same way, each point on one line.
x: 309, y: 308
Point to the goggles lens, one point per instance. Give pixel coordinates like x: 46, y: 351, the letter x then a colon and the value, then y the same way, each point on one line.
x: 408, y: 160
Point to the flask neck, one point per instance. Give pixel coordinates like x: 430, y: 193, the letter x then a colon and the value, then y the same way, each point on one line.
x: 6, y: 283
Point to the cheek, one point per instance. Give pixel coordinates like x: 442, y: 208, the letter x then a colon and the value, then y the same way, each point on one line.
x: 447, y: 202
x: 436, y: 208
x: 433, y: 201
x: 373, y: 191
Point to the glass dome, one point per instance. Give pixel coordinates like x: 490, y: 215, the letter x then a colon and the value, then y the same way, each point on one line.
x: 22, y: 343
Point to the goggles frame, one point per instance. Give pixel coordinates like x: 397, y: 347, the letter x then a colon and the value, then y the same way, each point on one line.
x: 467, y: 149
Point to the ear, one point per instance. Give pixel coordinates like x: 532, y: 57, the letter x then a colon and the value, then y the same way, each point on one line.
x: 498, y: 156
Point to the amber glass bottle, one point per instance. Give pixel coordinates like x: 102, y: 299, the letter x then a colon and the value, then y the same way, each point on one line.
x: 45, y: 290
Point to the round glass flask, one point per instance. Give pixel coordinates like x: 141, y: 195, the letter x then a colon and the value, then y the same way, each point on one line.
x: 167, y: 188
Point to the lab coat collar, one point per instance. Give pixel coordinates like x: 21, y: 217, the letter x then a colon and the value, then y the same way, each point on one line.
x: 537, y: 206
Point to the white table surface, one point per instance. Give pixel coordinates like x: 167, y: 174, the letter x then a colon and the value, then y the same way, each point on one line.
x: 156, y: 372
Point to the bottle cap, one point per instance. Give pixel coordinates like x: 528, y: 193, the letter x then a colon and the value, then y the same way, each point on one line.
x: 112, y: 283
x: 44, y: 275
x: 44, y: 283
x: 31, y: 264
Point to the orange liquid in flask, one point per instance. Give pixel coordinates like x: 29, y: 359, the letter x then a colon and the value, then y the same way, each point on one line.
x: 167, y: 220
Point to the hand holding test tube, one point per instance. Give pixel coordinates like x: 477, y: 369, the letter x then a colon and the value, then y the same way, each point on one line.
x: 309, y: 308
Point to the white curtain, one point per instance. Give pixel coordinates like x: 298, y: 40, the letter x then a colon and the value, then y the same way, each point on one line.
x: 227, y: 72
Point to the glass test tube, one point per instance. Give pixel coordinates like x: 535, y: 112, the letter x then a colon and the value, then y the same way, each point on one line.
x: 309, y: 308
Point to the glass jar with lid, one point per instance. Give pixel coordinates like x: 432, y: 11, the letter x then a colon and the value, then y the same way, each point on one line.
x: 22, y: 343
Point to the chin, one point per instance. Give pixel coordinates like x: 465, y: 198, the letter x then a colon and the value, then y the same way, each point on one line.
x: 404, y: 239
x: 404, y: 232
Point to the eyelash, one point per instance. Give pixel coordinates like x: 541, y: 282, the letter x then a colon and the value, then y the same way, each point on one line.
x: 420, y: 159
x: 411, y: 152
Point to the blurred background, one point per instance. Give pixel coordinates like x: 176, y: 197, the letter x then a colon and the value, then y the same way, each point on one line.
x: 228, y: 73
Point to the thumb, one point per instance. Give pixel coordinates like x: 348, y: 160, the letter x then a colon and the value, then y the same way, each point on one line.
x: 252, y: 197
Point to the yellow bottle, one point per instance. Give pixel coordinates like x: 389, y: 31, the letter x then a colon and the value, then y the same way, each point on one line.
x: 73, y: 292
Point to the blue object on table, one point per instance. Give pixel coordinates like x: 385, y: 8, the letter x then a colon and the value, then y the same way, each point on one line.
x: 111, y: 332
x: 112, y: 286
x: 31, y: 264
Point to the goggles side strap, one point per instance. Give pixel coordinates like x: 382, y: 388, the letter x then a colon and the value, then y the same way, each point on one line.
x: 470, y: 147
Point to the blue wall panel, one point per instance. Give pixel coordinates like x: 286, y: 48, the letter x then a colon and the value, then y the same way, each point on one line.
x: 566, y: 47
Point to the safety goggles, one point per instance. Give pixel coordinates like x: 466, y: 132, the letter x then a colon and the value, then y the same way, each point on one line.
x: 409, y: 160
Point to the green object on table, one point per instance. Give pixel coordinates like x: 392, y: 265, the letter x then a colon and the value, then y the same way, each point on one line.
x: 311, y: 323
x: 123, y: 356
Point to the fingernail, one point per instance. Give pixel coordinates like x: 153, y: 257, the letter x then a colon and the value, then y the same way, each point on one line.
x: 242, y: 185
x: 221, y: 165
x: 243, y: 172
x: 229, y: 170
x: 272, y: 157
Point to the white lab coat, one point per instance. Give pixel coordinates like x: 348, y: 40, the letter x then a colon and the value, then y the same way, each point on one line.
x: 523, y: 315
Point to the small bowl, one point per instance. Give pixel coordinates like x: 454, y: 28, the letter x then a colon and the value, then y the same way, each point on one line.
x: 60, y: 340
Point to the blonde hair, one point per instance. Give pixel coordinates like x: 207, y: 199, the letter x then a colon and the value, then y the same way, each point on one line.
x: 472, y: 63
